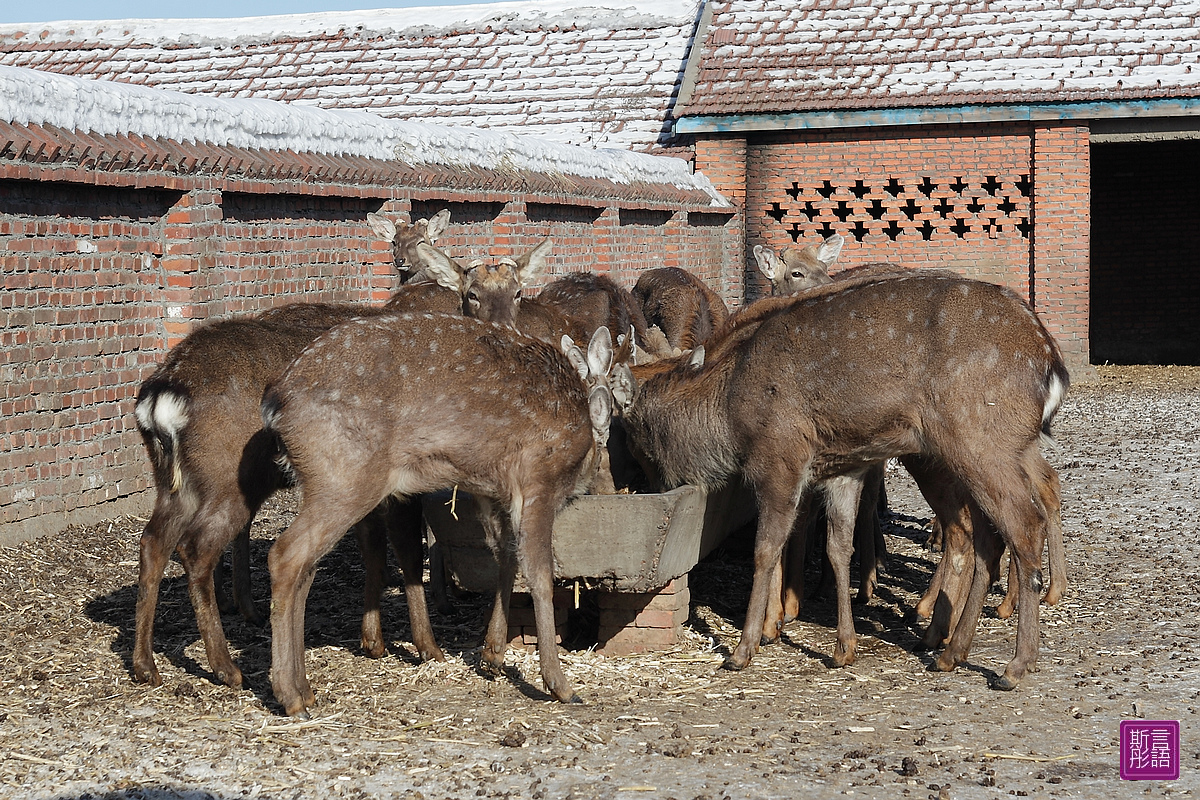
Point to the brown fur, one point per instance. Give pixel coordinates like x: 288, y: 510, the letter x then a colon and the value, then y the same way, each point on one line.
x: 827, y: 384
x: 680, y: 305
x: 377, y: 407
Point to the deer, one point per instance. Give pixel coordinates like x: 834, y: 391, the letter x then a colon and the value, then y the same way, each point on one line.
x: 213, y: 467
x: 795, y: 270
x: 592, y: 300
x: 398, y: 405
x: 679, y: 304
x: 819, y: 386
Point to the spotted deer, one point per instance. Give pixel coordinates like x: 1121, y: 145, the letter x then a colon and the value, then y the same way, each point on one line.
x: 397, y: 405
x: 795, y: 270
x: 199, y: 417
x: 819, y: 386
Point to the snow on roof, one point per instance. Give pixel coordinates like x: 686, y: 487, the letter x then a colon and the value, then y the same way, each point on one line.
x: 569, y: 70
x: 29, y: 97
x: 775, y: 56
x: 415, y: 21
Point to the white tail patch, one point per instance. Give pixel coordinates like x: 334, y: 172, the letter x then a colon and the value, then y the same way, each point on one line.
x: 170, y: 414
x: 1057, y: 390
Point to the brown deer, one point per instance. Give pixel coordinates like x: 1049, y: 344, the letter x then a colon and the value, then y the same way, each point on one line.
x: 592, y: 300
x: 795, y: 270
x: 400, y: 405
x: 198, y: 414
x: 819, y: 386
x: 680, y: 305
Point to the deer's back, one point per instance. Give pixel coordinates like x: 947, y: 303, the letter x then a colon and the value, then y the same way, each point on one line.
x: 433, y: 389
x: 894, y: 361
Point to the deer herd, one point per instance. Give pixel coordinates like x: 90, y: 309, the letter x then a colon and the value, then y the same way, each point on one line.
x: 458, y: 381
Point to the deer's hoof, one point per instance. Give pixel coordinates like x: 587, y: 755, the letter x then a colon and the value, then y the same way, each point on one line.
x: 1004, y: 683
x: 147, y: 675
x: 373, y: 649
x: 734, y: 664
x: 433, y: 654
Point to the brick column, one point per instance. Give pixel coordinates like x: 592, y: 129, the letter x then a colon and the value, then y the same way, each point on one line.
x: 1060, y: 259
x: 637, y: 622
x: 188, y: 254
x: 723, y: 161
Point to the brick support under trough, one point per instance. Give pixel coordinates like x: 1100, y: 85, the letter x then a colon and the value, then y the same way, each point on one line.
x: 638, y: 622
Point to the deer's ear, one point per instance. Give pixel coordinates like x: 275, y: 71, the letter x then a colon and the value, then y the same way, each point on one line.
x: 441, y: 267
x: 437, y: 225
x: 624, y: 387
x: 383, y: 227
x: 768, y: 263
x: 600, y: 353
x: 532, y: 264
x: 626, y: 347
x: 600, y: 410
x: 575, y: 356
x: 830, y: 249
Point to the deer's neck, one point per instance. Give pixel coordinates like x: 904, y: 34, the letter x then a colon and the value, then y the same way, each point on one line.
x: 680, y: 422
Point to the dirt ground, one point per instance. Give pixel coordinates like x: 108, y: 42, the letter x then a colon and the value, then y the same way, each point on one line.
x: 1124, y: 643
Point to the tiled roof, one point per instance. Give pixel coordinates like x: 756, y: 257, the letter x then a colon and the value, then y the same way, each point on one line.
x: 63, y: 128
x: 780, y: 56
x: 592, y: 76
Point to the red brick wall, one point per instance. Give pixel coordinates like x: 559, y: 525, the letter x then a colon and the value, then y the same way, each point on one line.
x: 100, y: 281
x: 1062, y: 220
x: 723, y: 161
x: 1001, y: 203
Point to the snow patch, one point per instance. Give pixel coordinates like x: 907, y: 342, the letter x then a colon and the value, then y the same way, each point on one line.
x: 31, y: 97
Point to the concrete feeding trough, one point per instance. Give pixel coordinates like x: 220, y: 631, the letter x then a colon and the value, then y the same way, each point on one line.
x: 635, y: 543
x: 634, y: 550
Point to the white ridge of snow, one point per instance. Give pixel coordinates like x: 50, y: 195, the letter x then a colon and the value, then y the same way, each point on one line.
x: 431, y: 19
x: 31, y: 97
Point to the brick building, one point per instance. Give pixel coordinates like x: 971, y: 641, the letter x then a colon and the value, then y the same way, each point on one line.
x: 1036, y: 144
x: 128, y: 214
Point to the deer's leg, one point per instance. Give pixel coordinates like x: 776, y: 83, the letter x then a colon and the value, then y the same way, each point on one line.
x: 500, y: 539
x: 773, y: 622
x: 947, y: 593
x: 841, y: 509
x: 372, y: 544
x: 868, y: 533
x: 987, y: 549
x: 537, y: 564
x: 1025, y: 527
x: 787, y: 581
x: 776, y: 514
x: 1050, y: 494
x: 404, y: 530
x: 793, y: 590
x: 1009, y: 603
x: 217, y: 524
x: 242, y: 596
x: 323, y: 519
x: 159, y: 538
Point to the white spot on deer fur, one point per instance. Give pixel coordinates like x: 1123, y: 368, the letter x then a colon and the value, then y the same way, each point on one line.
x: 910, y: 316
x: 360, y: 370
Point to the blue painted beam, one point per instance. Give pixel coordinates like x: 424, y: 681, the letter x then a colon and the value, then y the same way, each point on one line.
x: 938, y: 115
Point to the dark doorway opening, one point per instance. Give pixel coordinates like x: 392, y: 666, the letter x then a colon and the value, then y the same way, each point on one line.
x: 1145, y: 253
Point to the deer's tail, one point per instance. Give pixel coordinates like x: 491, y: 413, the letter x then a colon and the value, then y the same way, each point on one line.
x: 162, y: 412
